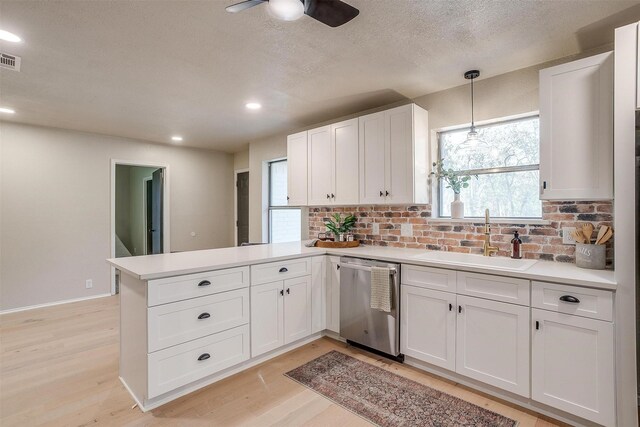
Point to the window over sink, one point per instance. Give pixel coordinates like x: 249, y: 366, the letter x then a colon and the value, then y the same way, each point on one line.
x: 284, y: 221
x: 506, y: 160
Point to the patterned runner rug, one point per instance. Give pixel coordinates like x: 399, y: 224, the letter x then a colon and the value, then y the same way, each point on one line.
x: 387, y: 399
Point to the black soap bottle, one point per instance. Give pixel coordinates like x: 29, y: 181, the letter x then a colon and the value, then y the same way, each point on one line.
x: 516, y: 243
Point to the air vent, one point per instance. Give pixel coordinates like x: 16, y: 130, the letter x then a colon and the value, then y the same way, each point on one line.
x: 10, y: 62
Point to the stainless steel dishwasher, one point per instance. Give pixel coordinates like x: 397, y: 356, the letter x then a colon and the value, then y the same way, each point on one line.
x: 359, y: 323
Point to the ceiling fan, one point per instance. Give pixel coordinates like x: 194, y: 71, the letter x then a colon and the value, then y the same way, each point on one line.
x: 330, y: 12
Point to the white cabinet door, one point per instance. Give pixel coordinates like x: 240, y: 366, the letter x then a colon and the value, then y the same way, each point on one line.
x: 372, y: 158
x: 399, y: 154
x: 572, y: 365
x: 319, y: 166
x: 267, y: 309
x: 297, y: 169
x: 318, y: 294
x: 297, y: 308
x: 492, y: 343
x: 428, y: 325
x: 333, y: 294
x: 344, y: 152
x: 576, y: 130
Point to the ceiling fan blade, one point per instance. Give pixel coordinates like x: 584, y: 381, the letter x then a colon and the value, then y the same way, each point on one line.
x: 239, y: 7
x: 330, y: 12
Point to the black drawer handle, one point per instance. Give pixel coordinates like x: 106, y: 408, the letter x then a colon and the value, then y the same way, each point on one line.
x: 281, y: 292
x: 204, y: 316
x: 204, y: 283
x: 386, y: 193
x: 537, y: 325
x: 570, y: 299
x: 450, y: 307
x: 381, y: 193
x: 288, y: 291
x: 459, y: 309
x: 283, y: 270
x: 204, y: 356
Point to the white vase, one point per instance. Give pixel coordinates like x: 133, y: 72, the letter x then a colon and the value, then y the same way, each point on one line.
x: 457, y: 207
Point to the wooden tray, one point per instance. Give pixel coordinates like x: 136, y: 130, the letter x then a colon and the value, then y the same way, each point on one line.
x: 330, y: 244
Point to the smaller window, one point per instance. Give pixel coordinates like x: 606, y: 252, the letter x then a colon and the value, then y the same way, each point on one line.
x: 506, y: 160
x: 284, y: 221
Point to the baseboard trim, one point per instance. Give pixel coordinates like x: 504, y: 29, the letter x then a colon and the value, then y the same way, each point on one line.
x: 51, y: 304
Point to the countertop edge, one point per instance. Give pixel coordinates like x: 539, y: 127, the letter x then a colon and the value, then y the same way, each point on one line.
x: 529, y: 275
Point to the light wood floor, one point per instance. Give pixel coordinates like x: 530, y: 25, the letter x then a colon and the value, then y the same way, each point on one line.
x: 59, y: 366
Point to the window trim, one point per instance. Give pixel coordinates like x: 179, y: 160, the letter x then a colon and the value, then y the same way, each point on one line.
x: 484, y: 171
x: 271, y: 207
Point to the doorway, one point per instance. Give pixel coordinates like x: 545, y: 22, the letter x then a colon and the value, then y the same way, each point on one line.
x: 139, y: 211
x: 242, y: 207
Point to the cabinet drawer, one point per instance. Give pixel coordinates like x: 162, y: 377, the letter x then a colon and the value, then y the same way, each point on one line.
x: 171, y: 289
x: 265, y: 273
x: 586, y: 302
x: 175, y: 323
x: 430, y: 278
x: 185, y: 363
x: 498, y: 288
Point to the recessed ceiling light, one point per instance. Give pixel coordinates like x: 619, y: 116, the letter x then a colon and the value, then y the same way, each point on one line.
x: 9, y: 37
x: 6, y: 110
x: 253, y: 105
x: 176, y: 138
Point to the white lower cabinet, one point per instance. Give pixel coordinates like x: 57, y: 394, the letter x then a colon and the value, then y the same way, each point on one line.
x: 428, y: 326
x: 572, y: 365
x: 318, y: 294
x: 333, y: 294
x: 492, y: 343
x: 297, y: 308
x: 267, y: 320
x: 280, y: 313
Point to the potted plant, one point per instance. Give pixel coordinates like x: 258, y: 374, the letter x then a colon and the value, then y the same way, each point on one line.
x: 339, y: 226
x: 456, y: 182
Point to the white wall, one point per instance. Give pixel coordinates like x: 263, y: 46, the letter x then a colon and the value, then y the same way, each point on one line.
x: 55, y: 208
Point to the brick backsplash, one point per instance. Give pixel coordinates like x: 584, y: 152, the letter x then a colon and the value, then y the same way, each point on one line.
x: 423, y: 232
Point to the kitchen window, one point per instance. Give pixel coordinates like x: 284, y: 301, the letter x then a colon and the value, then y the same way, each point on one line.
x: 506, y: 159
x: 284, y: 221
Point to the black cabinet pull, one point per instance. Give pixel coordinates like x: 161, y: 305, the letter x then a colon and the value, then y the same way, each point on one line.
x: 450, y: 307
x: 287, y: 198
x: 569, y: 299
x: 204, y: 356
x: 328, y: 197
x: 537, y: 325
x: 386, y: 193
x: 204, y: 316
x: 544, y: 185
x: 283, y: 270
x: 288, y: 291
x: 281, y: 292
x: 337, y: 266
x: 381, y: 193
x: 333, y: 196
x: 204, y: 283
x: 459, y: 309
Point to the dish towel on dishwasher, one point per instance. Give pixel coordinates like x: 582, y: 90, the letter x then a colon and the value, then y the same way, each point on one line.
x: 380, y: 289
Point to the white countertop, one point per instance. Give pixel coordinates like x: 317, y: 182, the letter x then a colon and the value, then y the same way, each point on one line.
x: 175, y: 264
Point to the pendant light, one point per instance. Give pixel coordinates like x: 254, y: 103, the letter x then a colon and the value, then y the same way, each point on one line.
x: 472, y: 135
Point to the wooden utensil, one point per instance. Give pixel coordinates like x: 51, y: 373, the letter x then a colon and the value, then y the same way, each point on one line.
x: 606, y: 237
x: 587, y: 231
x: 601, y: 233
x: 577, y: 236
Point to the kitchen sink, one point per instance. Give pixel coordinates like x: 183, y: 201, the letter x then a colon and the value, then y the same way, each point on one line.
x: 468, y: 260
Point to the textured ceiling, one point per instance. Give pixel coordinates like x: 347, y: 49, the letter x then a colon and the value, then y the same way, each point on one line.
x: 152, y: 69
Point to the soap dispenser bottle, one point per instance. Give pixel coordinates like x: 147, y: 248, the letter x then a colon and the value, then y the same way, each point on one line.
x: 516, y: 244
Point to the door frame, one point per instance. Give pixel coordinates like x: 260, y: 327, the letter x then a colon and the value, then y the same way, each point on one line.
x: 144, y: 210
x: 112, y: 204
x: 235, y: 202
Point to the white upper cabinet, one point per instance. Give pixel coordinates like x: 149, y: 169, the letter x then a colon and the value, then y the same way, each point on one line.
x: 372, y: 158
x: 297, y: 169
x: 344, y: 162
x: 576, y: 130
x: 393, y: 156
x: 319, y: 166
